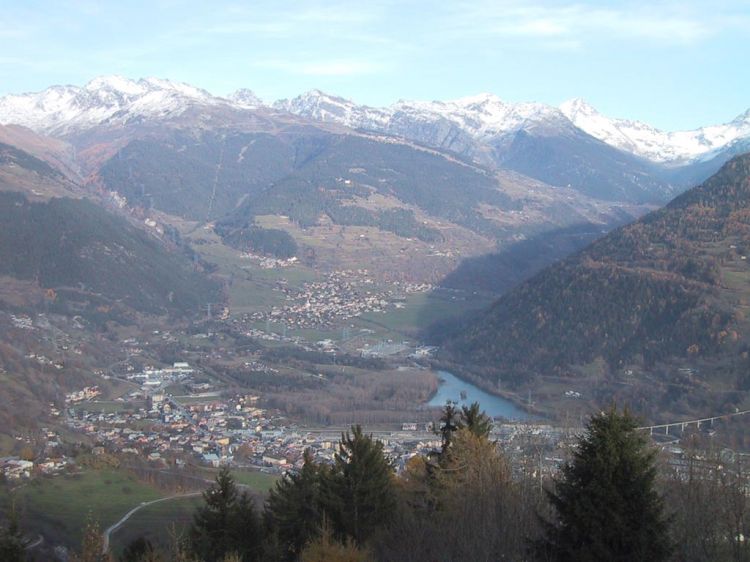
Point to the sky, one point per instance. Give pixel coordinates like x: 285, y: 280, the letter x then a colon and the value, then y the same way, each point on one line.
x: 675, y: 65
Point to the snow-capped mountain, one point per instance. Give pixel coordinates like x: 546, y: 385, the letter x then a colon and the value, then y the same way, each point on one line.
x: 486, y: 118
x: 246, y: 98
x: 474, y: 119
x: 108, y: 99
x: 472, y: 126
x: 659, y: 146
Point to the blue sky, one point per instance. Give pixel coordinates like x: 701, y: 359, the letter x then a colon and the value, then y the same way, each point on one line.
x: 676, y: 65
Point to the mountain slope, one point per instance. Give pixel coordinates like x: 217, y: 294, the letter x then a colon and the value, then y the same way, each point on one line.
x: 72, y: 275
x: 333, y: 190
x: 91, y: 258
x: 531, y: 138
x: 670, y: 289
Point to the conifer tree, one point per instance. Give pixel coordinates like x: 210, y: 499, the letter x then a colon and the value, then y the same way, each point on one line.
x: 12, y: 544
x: 293, y: 508
x: 358, y: 493
x: 226, y: 523
x: 605, y: 500
x: 137, y: 550
x: 448, y: 424
x: 475, y: 420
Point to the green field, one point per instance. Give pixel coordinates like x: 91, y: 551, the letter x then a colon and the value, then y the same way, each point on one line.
x: 252, y: 286
x: 59, y: 507
x: 422, y: 309
x: 108, y: 407
x: 158, y: 523
x: 256, y: 480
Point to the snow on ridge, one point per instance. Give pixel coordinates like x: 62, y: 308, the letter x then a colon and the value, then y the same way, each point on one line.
x: 481, y: 116
x: 455, y: 124
x: 654, y: 144
x: 60, y: 109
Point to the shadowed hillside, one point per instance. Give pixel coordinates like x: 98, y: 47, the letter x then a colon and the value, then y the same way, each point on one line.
x: 671, y: 288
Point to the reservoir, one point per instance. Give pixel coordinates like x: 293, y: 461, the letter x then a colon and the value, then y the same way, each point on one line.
x: 464, y: 393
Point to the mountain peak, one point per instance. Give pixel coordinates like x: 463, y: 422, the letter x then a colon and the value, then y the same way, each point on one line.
x: 478, y: 99
x: 114, y: 82
x: 576, y: 106
x: 246, y: 98
x: 61, y: 109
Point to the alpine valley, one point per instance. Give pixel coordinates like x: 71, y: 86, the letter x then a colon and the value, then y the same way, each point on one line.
x: 314, y: 232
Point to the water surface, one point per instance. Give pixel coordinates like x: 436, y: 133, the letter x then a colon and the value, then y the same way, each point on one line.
x: 451, y: 388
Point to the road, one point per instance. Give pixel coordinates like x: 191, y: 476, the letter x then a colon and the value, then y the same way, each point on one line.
x: 37, y: 542
x: 112, y: 528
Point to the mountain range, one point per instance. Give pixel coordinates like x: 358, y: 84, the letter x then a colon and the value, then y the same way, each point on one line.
x: 571, y: 146
x: 454, y: 124
x: 170, y: 151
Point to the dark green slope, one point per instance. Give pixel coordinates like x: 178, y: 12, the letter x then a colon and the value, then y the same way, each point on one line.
x: 95, y: 258
x: 566, y: 156
x: 337, y: 169
x: 97, y: 263
x: 671, y: 288
x: 200, y: 177
x: 234, y: 177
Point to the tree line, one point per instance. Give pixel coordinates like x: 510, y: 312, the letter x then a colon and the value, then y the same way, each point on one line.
x: 612, y: 500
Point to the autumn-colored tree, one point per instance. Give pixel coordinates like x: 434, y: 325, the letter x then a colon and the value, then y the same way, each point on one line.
x: 327, y: 549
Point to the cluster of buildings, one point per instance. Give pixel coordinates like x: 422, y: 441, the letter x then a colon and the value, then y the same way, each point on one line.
x: 266, y: 262
x: 49, y: 462
x: 225, y: 431
x: 14, y: 468
x: 151, y: 377
x: 340, y: 296
x: 87, y: 393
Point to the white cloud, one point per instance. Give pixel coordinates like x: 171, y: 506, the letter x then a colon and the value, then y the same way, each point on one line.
x: 666, y: 22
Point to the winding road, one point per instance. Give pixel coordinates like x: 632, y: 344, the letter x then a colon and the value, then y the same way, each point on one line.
x: 112, y: 528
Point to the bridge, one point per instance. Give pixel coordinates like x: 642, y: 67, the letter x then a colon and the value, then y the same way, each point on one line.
x: 683, y: 425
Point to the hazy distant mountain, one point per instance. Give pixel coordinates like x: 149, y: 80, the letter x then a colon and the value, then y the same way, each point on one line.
x: 648, y: 305
x: 485, y: 118
x: 463, y: 125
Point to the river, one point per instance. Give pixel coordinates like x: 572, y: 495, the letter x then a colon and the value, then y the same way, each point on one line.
x: 451, y: 387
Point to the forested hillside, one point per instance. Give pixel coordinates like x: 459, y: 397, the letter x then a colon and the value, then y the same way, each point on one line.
x: 673, y: 287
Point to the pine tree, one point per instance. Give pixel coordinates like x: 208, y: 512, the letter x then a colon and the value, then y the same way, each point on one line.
x: 358, y: 493
x: 293, y: 508
x: 137, y: 550
x: 226, y: 523
x: 448, y: 424
x: 475, y: 420
x: 12, y: 544
x: 605, y: 500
